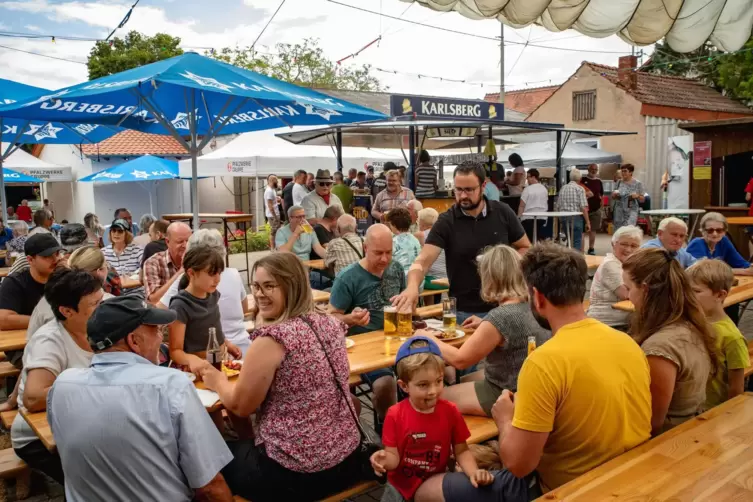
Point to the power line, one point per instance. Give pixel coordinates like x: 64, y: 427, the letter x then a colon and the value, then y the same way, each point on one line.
x: 41, y: 55
x: 268, y: 22
x: 124, y: 21
x: 455, y: 80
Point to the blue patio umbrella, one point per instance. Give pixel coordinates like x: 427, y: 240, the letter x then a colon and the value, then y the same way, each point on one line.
x: 15, y: 177
x: 144, y: 168
x: 19, y: 131
x: 193, y: 98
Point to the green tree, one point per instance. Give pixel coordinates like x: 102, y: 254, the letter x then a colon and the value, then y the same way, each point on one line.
x: 135, y: 49
x: 734, y: 72
x: 302, y: 64
x: 699, y: 64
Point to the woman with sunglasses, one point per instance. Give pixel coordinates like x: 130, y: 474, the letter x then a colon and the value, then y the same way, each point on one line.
x: 715, y: 244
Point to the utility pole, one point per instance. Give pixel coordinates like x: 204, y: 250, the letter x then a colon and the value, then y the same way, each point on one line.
x: 502, y: 63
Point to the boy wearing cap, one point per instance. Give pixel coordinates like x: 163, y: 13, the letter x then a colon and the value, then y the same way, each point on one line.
x: 421, y: 432
x: 147, y: 419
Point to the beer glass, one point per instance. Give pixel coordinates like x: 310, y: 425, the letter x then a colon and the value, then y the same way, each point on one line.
x: 531, y: 344
x: 307, y: 228
x: 449, y: 316
x: 405, y: 323
x: 390, y: 322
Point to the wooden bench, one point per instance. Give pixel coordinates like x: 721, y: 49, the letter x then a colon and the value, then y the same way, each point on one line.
x: 7, y: 418
x: 432, y: 292
x: 429, y: 311
x: 8, y: 370
x: 13, y: 467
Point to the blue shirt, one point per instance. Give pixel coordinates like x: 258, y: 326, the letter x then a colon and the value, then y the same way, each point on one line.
x: 5, y: 236
x: 724, y: 251
x: 686, y: 259
x: 127, y: 430
x: 491, y: 191
x: 405, y: 249
x: 302, y: 247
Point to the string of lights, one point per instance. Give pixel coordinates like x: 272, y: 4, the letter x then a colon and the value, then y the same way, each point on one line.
x: 494, y: 85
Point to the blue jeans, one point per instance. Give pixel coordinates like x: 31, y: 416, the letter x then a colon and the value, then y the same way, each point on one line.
x: 577, y: 230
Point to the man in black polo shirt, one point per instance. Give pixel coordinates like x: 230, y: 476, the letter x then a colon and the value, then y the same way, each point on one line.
x: 463, y: 231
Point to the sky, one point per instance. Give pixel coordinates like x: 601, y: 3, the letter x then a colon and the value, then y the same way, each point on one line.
x: 405, y: 48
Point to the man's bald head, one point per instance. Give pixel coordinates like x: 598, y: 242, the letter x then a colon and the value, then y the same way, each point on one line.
x: 176, y: 240
x: 378, y: 248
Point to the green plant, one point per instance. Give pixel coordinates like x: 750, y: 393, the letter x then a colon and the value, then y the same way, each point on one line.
x: 257, y: 241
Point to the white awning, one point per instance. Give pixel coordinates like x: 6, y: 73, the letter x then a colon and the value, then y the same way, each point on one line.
x: 686, y: 24
x: 28, y: 164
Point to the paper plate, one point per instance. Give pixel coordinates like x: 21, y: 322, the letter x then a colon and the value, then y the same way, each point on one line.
x: 349, y: 344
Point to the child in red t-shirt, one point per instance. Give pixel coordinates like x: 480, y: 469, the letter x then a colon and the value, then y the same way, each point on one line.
x: 422, y: 431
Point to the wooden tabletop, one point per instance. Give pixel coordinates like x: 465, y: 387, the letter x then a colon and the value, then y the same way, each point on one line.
x: 128, y: 283
x: 209, y: 216
x: 706, y: 458
x: 315, y: 264
x: 38, y: 423
x: 320, y: 296
x: 740, y: 220
x: 12, y: 340
x: 740, y: 293
x: 373, y: 351
x: 4, y: 271
x: 441, y: 282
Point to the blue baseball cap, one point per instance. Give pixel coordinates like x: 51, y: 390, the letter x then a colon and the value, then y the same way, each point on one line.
x: 406, y: 350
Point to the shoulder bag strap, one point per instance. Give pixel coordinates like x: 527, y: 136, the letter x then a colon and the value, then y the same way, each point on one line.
x: 359, y: 254
x: 345, y: 396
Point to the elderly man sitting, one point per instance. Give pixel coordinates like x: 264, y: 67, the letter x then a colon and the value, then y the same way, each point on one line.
x: 413, y: 207
x: 298, y: 237
x: 147, y: 419
x: 671, y: 236
x: 346, y: 249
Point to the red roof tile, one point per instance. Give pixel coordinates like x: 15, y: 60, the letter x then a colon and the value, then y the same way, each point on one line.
x: 524, y: 100
x: 677, y: 92
x: 130, y: 143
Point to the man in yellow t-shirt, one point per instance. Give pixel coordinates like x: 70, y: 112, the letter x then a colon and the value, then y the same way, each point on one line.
x: 583, y: 396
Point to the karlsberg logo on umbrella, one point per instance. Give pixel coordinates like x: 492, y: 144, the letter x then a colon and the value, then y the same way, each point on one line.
x: 107, y: 175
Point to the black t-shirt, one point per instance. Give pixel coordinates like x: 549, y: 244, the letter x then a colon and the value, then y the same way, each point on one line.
x: 287, y: 195
x: 463, y: 238
x: 324, y: 237
x: 20, y: 293
x: 153, y: 248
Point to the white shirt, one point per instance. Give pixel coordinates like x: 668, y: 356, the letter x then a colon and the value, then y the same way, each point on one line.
x: 315, y: 205
x: 536, y: 198
x: 232, y: 294
x: 271, y: 195
x: 52, y: 348
x: 299, y: 192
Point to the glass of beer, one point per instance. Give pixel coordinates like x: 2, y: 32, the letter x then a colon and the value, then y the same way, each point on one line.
x: 405, y: 323
x: 390, y: 322
x: 449, y: 316
x: 307, y: 227
x: 531, y: 344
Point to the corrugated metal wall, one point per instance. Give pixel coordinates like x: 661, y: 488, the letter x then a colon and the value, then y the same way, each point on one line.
x: 658, y: 129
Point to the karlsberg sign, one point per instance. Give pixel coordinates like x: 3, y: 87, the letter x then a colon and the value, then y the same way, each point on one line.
x: 442, y: 108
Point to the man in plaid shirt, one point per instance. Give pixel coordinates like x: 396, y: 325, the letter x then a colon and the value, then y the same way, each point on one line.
x: 346, y: 249
x: 572, y: 197
x: 163, y: 268
x: 395, y: 195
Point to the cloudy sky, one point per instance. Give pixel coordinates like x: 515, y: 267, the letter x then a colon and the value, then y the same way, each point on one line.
x: 406, y: 48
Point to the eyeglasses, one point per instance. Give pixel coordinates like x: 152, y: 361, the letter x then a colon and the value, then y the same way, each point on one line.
x: 324, y: 184
x: 298, y: 217
x: 266, y: 288
x: 467, y: 190
x: 714, y: 230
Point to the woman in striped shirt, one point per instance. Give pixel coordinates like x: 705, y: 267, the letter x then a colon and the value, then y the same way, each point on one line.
x: 122, y: 254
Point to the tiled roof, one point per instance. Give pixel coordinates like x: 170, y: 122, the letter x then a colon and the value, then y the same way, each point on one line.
x: 130, y: 143
x: 677, y: 92
x: 524, y: 100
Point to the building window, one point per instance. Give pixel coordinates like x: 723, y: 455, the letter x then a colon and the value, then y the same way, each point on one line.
x: 584, y: 105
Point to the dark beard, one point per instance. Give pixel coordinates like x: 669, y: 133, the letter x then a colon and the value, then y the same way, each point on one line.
x: 539, y: 318
x: 472, y: 206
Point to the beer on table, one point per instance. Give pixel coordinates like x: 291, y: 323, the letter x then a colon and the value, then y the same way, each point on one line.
x: 390, y: 322
x: 405, y: 324
x: 449, y: 316
x: 214, y: 350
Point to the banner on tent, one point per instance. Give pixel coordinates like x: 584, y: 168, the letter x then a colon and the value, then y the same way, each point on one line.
x: 443, y: 108
x: 241, y: 167
x: 49, y: 173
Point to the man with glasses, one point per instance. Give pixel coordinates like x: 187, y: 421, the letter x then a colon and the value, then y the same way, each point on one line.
x: 395, y: 195
x: 463, y: 231
x: 317, y: 202
x: 298, y: 236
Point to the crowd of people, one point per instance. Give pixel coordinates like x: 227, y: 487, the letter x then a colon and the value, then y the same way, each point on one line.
x: 598, y: 383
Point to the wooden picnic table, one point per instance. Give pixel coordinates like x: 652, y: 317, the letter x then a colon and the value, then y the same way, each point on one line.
x: 320, y: 296
x: 12, y: 340
x: 706, y: 458
x: 315, y: 264
x: 740, y: 220
x: 740, y: 293
x: 38, y: 423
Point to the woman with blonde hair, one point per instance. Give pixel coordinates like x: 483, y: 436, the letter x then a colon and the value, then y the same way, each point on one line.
x: 671, y: 328
x: 296, y: 373
x: 501, y: 337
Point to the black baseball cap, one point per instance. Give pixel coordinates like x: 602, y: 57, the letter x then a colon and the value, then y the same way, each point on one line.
x: 388, y: 166
x: 121, y: 224
x: 41, y: 244
x: 116, y: 318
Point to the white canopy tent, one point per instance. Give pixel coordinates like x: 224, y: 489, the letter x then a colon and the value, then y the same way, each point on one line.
x: 685, y: 24
x: 544, y: 154
x: 261, y: 153
x: 28, y: 164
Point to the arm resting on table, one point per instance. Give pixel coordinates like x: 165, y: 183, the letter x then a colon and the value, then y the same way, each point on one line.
x: 11, y: 320
x: 479, y: 345
x: 216, y: 490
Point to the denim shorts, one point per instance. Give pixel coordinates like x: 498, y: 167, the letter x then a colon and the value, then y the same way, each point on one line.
x: 373, y: 376
x: 456, y: 486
